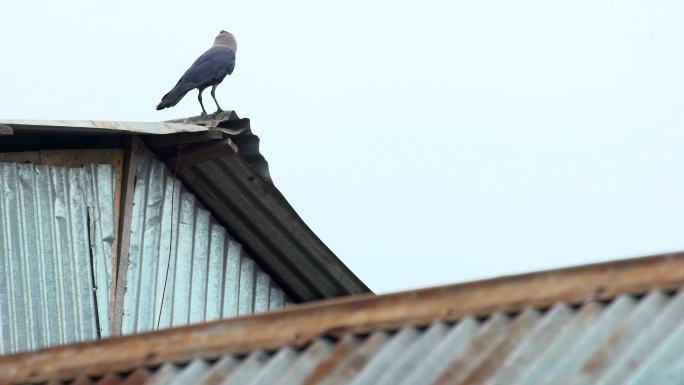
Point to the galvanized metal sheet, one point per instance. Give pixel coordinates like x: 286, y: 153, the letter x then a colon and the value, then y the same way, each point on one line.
x: 256, y: 212
x: 183, y: 267
x: 630, y: 340
x: 101, y: 184
x: 49, y: 215
x: 99, y: 126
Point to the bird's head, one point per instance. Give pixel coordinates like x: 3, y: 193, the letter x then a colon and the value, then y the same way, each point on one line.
x: 225, y: 39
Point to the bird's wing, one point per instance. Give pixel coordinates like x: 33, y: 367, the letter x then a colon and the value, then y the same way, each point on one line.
x: 213, y: 65
x: 208, y: 69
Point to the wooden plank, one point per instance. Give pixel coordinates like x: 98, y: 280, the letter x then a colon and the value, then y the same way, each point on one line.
x: 118, y: 163
x: 66, y: 158
x: 21, y: 157
x: 300, y: 324
x: 201, y: 153
x: 157, y: 141
x: 124, y: 229
x: 76, y: 158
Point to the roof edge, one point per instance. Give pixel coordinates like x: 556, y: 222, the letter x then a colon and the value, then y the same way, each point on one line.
x: 300, y: 324
x: 100, y: 126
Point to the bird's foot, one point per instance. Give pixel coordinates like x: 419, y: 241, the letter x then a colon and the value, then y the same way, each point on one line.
x: 218, y: 111
x: 203, y: 114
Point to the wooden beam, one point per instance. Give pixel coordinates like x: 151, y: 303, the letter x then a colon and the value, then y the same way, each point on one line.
x: 21, y: 157
x: 76, y: 158
x: 66, y: 158
x: 118, y: 163
x: 157, y: 141
x: 124, y: 230
x: 201, y: 153
x: 301, y: 324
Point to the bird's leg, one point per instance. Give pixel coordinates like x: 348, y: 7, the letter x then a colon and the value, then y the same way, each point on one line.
x: 213, y: 95
x: 199, y: 97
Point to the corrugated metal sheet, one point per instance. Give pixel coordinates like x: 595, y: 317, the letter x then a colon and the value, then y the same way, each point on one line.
x: 179, y: 252
x: 261, y: 218
x: 608, y: 323
x: 238, y: 190
x: 47, y: 292
x: 101, y: 184
x: 629, y: 340
x: 253, y: 211
x: 241, y: 134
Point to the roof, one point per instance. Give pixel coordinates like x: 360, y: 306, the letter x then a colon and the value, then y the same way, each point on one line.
x: 99, y: 127
x: 606, y: 323
x: 218, y: 159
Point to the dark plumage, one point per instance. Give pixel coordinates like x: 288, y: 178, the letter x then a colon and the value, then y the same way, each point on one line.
x: 208, y: 70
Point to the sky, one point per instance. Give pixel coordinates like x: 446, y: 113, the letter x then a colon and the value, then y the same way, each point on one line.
x: 425, y: 142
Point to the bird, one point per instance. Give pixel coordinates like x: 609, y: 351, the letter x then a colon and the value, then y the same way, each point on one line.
x: 208, y: 70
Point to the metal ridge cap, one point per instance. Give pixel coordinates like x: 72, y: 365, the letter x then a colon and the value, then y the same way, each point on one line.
x: 363, y: 313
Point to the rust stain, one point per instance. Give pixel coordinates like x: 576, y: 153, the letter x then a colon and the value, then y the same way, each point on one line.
x: 356, y: 360
x: 340, y: 352
x: 110, y: 379
x: 367, y: 313
x: 519, y: 328
x: 598, y: 359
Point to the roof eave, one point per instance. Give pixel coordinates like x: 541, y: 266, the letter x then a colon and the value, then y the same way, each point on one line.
x: 301, y: 324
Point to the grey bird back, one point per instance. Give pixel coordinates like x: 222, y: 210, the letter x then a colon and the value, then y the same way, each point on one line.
x: 208, y: 70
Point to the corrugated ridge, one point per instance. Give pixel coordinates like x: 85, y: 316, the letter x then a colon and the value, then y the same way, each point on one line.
x: 629, y: 340
x: 48, y: 293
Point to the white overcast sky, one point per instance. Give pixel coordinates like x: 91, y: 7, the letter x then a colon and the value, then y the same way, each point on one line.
x: 425, y: 142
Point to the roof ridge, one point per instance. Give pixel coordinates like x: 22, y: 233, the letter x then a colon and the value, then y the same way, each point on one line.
x: 301, y: 324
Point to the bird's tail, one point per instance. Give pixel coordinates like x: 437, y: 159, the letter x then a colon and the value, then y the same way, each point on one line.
x: 173, y: 97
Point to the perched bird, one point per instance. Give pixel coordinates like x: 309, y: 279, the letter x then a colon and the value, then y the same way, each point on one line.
x: 208, y: 70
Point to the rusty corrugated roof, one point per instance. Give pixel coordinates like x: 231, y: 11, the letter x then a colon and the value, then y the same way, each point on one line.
x: 610, y: 323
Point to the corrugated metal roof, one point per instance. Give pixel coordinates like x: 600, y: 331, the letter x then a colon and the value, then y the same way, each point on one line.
x: 262, y: 220
x: 629, y: 340
x: 612, y: 323
x: 179, y: 251
x: 48, y: 213
x: 235, y: 187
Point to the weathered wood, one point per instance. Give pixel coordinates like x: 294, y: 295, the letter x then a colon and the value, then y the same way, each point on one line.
x: 66, y: 158
x: 118, y: 163
x: 156, y: 141
x: 365, y: 313
x: 76, y: 158
x: 21, y: 157
x: 124, y: 229
x: 201, y: 153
